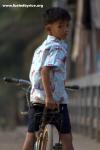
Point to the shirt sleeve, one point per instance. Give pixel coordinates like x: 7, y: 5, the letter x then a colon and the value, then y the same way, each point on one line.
x: 55, y: 57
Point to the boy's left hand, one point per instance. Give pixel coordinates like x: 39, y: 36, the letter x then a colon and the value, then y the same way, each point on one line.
x: 51, y: 104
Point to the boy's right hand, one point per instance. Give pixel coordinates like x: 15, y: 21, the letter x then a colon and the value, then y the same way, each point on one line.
x: 51, y: 104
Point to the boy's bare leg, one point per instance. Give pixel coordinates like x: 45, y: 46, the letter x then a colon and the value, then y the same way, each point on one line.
x: 66, y: 140
x: 29, y: 141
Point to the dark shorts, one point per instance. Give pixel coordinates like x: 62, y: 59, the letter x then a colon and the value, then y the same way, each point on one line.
x: 62, y: 125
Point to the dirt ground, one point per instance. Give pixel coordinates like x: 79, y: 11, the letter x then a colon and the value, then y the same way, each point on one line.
x: 13, y: 140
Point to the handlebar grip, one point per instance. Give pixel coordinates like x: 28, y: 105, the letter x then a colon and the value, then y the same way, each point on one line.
x: 8, y: 79
x: 20, y: 82
x: 73, y: 87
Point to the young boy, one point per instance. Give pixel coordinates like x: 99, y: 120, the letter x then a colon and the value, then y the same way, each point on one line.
x: 48, y: 74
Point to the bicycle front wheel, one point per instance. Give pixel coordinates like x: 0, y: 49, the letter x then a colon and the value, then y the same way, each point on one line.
x: 50, y: 137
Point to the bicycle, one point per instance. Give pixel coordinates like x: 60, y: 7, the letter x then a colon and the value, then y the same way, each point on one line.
x: 47, y: 137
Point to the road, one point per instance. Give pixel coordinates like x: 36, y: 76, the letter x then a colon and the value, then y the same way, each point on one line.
x: 84, y: 143
x: 13, y: 141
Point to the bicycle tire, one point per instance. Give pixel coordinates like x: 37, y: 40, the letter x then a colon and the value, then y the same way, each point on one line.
x: 38, y: 143
x: 50, y: 137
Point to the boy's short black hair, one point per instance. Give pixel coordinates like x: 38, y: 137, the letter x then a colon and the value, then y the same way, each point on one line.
x: 54, y: 14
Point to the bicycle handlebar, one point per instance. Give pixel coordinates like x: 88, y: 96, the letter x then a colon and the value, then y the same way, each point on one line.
x: 22, y: 82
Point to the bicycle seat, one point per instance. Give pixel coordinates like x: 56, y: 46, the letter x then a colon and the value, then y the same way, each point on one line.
x: 36, y: 104
x: 46, y: 110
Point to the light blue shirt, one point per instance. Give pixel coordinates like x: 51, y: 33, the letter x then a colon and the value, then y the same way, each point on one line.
x: 52, y: 52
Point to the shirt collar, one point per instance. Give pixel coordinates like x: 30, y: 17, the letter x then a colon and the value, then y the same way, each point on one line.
x: 52, y: 38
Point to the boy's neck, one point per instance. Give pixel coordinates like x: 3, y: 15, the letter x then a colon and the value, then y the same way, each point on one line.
x: 55, y: 37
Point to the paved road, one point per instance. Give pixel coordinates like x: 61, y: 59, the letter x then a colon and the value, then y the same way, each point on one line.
x: 85, y: 143
x: 13, y: 141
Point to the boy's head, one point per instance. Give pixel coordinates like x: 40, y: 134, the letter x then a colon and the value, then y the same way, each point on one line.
x: 56, y: 21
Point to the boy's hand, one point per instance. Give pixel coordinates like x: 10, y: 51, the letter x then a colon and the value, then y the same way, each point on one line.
x: 51, y: 104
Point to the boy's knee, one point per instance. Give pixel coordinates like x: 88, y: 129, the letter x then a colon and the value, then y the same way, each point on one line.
x: 29, y: 141
x: 66, y: 138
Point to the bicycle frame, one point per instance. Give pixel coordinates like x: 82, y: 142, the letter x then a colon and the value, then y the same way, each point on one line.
x: 26, y: 85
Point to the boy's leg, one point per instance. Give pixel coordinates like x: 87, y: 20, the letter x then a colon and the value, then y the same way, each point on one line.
x: 29, y: 141
x: 65, y: 130
x: 66, y: 140
x: 33, y: 125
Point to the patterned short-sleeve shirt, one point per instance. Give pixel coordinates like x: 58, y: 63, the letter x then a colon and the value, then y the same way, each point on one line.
x: 54, y: 53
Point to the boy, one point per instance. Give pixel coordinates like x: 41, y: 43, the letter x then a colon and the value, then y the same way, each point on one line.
x: 48, y: 74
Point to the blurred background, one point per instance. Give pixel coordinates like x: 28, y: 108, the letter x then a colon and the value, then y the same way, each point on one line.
x: 21, y: 32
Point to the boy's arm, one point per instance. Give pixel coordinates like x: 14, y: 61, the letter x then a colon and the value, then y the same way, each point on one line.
x: 45, y: 74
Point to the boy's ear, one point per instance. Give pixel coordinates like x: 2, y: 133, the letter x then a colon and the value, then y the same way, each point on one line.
x: 48, y: 28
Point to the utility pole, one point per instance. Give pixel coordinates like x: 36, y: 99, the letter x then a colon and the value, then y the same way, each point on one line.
x: 93, y: 40
x: 78, y: 27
